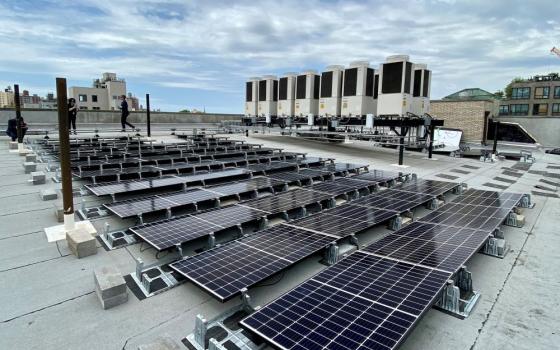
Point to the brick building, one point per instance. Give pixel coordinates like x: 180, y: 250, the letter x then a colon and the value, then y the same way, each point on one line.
x: 536, y: 96
x: 468, y: 110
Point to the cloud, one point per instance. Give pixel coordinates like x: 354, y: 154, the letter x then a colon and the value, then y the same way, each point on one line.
x: 211, y: 47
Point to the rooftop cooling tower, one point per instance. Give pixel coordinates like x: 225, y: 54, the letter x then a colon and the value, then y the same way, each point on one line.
x: 331, y: 91
x: 307, y: 94
x: 357, y: 91
x: 251, y: 96
x: 268, y: 97
x: 396, y: 78
x: 421, y: 90
x: 286, y: 95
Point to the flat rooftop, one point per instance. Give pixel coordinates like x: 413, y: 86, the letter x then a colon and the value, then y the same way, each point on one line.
x: 47, y: 299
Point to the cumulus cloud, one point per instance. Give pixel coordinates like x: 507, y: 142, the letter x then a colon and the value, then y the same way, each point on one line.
x: 212, y: 46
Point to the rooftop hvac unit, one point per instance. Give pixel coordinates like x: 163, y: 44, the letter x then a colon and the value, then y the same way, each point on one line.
x: 251, y: 96
x: 286, y: 95
x: 331, y: 91
x: 268, y: 97
x: 358, y: 90
x: 396, y: 78
x: 421, y: 90
x: 307, y: 94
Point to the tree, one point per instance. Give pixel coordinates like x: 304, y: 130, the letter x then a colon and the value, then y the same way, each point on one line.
x: 185, y: 111
x: 499, y: 94
x: 509, y: 86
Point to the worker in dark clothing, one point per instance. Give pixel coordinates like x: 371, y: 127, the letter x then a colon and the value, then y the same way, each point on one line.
x: 124, y: 114
x: 12, y: 129
x: 72, y: 113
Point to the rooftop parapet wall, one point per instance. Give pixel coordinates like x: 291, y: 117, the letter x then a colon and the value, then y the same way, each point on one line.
x: 48, y: 116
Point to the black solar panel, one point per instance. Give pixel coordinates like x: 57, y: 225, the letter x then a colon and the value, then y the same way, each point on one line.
x: 287, y: 200
x: 230, y: 216
x: 489, y: 198
x: 143, y: 184
x: 431, y: 187
x: 378, y: 176
x: 334, y: 188
x: 465, y: 215
x: 291, y: 176
x: 436, y: 246
x: 345, y: 220
x: 245, y: 186
x: 166, y: 234
x: 391, y: 199
x: 362, y: 302
x: 226, y: 270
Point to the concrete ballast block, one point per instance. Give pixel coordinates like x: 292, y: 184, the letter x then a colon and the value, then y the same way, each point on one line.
x: 31, y: 157
x: 59, y: 212
x: 13, y: 145
x: 110, y: 287
x: 49, y: 194
x: 29, y: 167
x: 38, y: 177
x: 161, y: 343
x: 81, y: 243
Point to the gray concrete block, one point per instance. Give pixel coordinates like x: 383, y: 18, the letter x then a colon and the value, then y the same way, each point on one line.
x: 81, y: 243
x: 113, y: 301
x: 13, y: 145
x: 31, y: 157
x: 38, y: 177
x: 161, y: 343
x: 29, y: 167
x: 49, y: 194
x: 59, y: 212
x: 108, y: 282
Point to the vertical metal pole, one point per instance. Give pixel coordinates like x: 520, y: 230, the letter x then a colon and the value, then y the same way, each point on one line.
x: 64, y: 139
x: 431, y: 144
x: 148, y: 115
x: 401, y: 149
x: 18, y: 114
x: 496, y: 126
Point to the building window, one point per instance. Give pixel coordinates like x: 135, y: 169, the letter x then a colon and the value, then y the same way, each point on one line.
x: 82, y: 98
x: 557, y: 92
x: 83, y: 107
x: 504, y: 109
x: 93, y: 98
x: 540, y: 109
x: 519, y: 109
x: 542, y: 92
x: 96, y: 108
x: 520, y: 93
x: 114, y: 97
x: 556, y: 109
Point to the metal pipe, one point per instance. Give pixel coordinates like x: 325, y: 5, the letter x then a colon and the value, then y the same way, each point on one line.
x: 18, y: 114
x: 496, y: 126
x: 431, y: 144
x: 148, y: 115
x: 64, y: 139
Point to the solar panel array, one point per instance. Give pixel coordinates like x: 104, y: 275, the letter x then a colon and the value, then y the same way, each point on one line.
x: 372, y: 298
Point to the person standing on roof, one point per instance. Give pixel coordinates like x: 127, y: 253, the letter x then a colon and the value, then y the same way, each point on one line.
x: 124, y: 114
x: 72, y: 113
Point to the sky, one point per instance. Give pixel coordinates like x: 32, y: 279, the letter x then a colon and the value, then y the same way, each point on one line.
x: 198, y: 54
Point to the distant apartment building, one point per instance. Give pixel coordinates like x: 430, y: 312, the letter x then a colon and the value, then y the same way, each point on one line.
x: 103, y: 95
x: 27, y: 100
x: 7, y: 98
x: 536, y: 96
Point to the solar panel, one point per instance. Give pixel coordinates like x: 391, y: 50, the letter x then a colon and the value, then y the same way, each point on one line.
x: 489, y: 198
x: 394, y: 200
x: 465, y: 215
x: 431, y: 187
x: 166, y: 234
x: 245, y: 186
x: 226, y: 270
x: 291, y: 176
x: 287, y: 200
x: 143, y: 184
x: 378, y: 176
x: 436, y: 246
x: 362, y: 302
x: 345, y: 220
x: 332, y: 187
x: 231, y: 216
x: 338, y: 167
